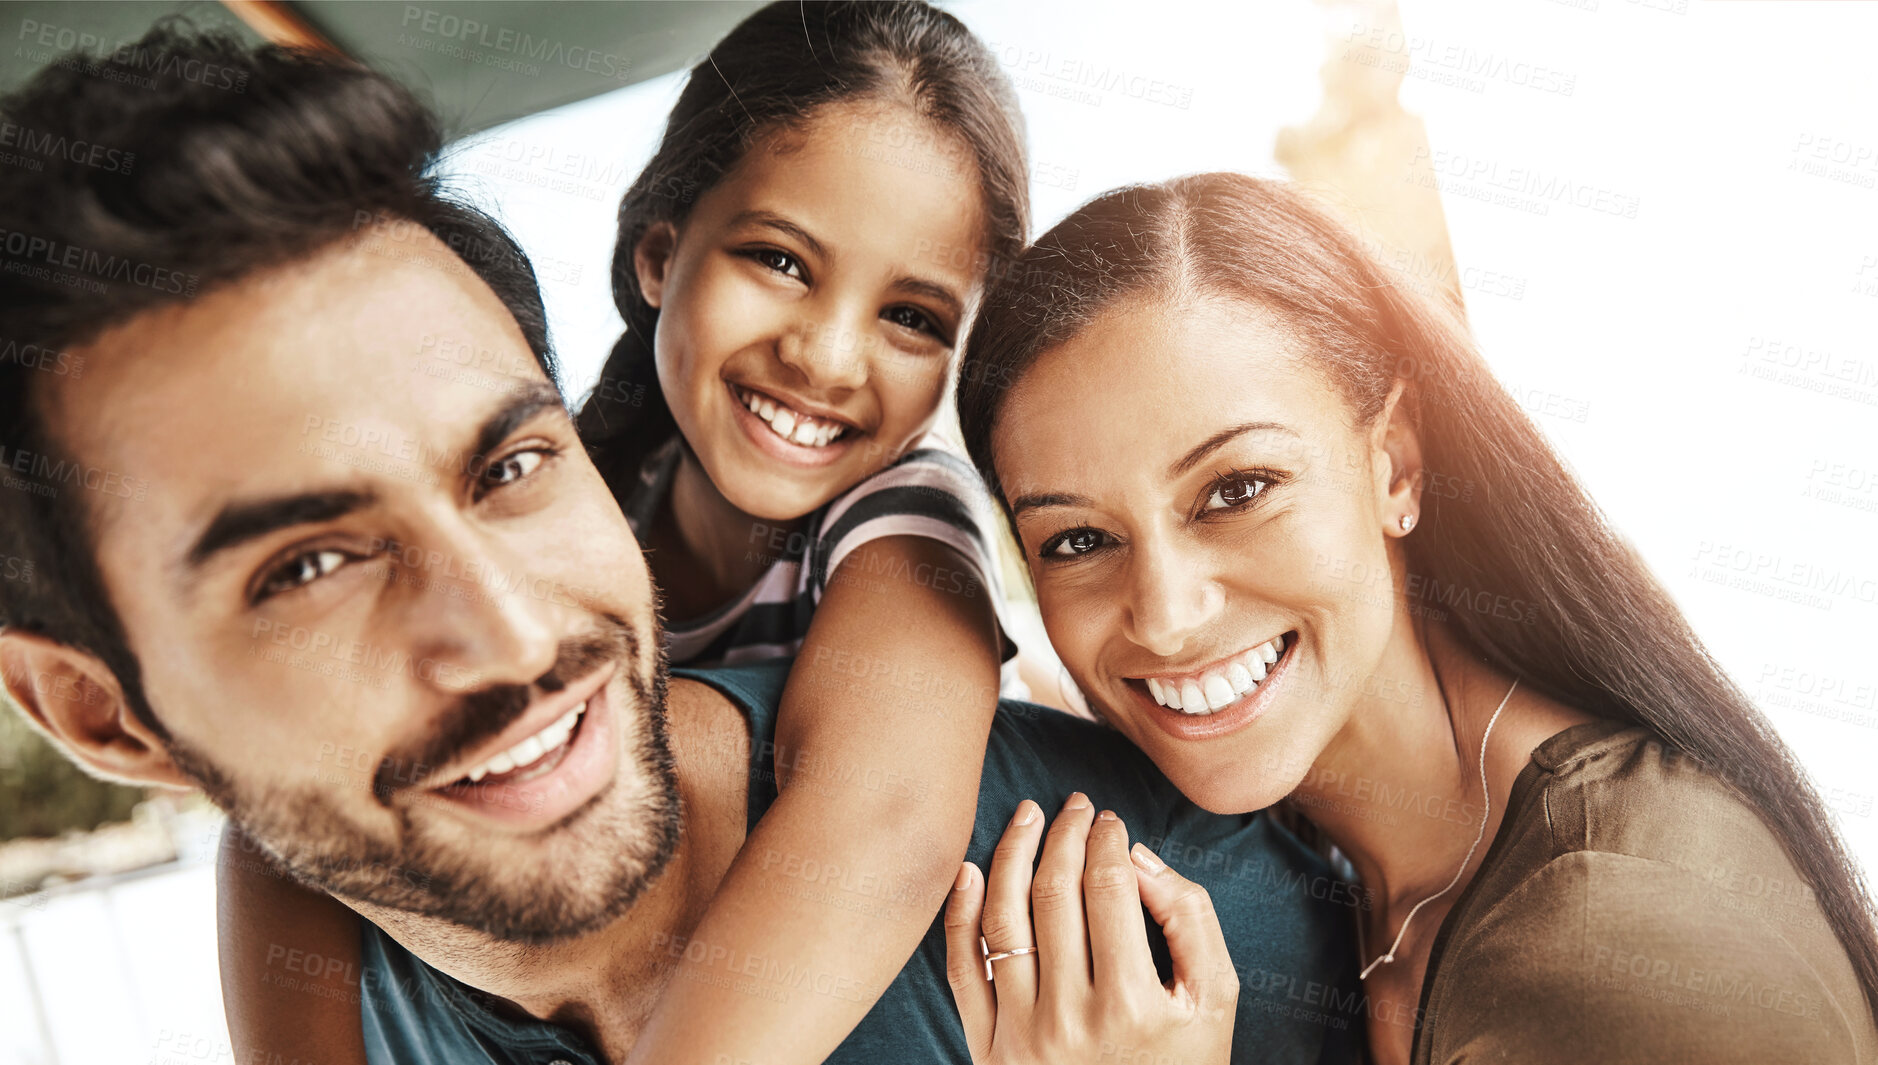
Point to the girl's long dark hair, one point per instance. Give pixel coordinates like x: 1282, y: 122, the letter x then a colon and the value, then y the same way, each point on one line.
x: 774, y: 70
x: 1599, y: 632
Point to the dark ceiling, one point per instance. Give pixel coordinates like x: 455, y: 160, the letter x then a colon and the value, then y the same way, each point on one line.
x: 482, y: 62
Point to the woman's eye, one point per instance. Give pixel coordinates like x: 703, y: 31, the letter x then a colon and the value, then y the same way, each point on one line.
x: 1234, y: 493
x: 512, y: 468
x: 1070, y: 544
x: 780, y: 261
x: 911, y: 318
x: 302, y: 570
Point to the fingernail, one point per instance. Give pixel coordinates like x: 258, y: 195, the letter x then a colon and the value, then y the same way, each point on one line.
x: 965, y: 877
x: 1076, y: 801
x: 1107, y: 815
x: 1146, y: 859
x: 1026, y: 813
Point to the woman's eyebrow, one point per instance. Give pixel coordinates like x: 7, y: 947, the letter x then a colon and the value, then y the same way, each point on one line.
x: 772, y: 220
x: 1048, y: 499
x: 1220, y: 439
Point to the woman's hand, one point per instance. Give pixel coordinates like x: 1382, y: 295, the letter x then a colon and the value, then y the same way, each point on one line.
x: 1089, y: 991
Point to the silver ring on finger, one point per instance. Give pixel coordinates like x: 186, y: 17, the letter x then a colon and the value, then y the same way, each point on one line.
x: 1001, y: 955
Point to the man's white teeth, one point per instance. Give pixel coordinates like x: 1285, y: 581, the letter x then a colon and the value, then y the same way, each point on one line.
x: 531, y: 749
x: 792, y: 425
x: 1217, y: 688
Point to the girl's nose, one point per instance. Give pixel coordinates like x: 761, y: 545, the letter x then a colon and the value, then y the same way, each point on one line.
x: 829, y: 351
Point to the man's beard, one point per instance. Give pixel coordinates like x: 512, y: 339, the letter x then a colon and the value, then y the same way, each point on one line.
x: 599, y: 860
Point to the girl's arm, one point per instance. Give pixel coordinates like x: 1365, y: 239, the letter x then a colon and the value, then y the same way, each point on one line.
x: 879, y: 744
x: 290, y: 963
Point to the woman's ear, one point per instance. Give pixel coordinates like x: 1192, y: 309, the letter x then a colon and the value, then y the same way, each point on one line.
x: 652, y: 258
x: 75, y: 700
x: 1396, y: 456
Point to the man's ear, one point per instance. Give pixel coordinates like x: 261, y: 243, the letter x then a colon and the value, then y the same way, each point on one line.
x: 1396, y: 455
x: 652, y: 258
x: 76, y: 701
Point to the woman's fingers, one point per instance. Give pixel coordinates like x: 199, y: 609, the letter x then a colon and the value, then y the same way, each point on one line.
x: 1183, y: 909
x: 965, y: 961
x: 1006, y: 919
x: 1118, y: 935
x: 1056, y: 903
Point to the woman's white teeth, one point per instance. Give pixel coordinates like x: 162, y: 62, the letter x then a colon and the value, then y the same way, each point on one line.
x: 1218, y: 692
x: 790, y: 424
x: 1217, y: 689
x: 531, y: 749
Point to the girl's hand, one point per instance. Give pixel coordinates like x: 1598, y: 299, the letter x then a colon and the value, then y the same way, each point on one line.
x: 1089, y: 992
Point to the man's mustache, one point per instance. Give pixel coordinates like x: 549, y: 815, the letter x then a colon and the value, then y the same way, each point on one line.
x: 480, y: 716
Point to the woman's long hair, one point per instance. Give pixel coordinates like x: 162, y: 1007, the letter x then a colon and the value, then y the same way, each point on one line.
x: 1598, y: 631
x: 773, y: 71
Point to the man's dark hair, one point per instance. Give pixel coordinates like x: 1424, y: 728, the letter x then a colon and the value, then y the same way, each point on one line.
x: 148, y: 177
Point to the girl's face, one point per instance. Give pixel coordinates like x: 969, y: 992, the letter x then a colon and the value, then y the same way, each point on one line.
x: 810, y: 303
x: 1193, y: 500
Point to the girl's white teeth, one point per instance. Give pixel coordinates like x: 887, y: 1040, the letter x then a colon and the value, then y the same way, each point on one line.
x: 1217, y: 689
x: 531, y: 749
x: 792, y: 425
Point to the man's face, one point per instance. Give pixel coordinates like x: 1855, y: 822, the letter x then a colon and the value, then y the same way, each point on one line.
x: 388, y: 611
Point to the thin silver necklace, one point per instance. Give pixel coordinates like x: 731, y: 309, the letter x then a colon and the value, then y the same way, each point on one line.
x: 1486, y: 801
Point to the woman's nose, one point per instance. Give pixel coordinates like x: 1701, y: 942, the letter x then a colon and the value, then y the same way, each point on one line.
x: 1170, y: 601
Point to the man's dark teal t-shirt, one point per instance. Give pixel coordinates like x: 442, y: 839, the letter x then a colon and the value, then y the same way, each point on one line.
x: 1287, y: 919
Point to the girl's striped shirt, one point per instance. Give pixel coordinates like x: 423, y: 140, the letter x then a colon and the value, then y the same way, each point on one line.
x: 930, y: 491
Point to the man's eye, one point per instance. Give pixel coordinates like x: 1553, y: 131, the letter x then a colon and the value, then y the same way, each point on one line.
x: 780, y: 261
x: 512, y: 468
x: 302, y: 570
x: 1071, y: 543
x: 1236, y: 492
x: 913, y: 318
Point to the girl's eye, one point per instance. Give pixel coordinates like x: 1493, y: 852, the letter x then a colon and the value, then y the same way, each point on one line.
x: 1071, y: 543
x: 301, y: 570
x: 511, y: 468
x: 907, y: 317
x: 780, y: 261
x: 1234, y: 492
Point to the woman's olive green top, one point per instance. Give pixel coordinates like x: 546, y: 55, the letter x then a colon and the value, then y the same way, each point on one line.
x: 1634, y: 909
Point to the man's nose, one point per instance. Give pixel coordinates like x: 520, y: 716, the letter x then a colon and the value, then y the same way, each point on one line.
x: 478, y: 619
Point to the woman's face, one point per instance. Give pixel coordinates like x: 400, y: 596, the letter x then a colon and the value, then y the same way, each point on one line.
x: 809, y: 304
x: 1192, y: 494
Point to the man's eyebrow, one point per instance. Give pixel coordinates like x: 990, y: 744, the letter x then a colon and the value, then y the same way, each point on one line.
x: 238, y: 523
x: 503, y: 421
x: 934, y: 291
x: 1048, y: 499
x: 1220, y: 439
x: 784, y: 225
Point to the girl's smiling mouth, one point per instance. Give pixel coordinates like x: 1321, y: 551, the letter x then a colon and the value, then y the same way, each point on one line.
x: 786, y: 431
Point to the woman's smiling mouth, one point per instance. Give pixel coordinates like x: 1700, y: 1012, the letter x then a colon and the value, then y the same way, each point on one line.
x: 1218, y: 686
x: 1220, y: 697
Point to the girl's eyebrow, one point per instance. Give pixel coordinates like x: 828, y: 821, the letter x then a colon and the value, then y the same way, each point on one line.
x: 772, y: 220
x: 932, y: 290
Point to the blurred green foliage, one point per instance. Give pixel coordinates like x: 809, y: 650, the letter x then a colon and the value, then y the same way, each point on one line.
x: 42, y: 793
